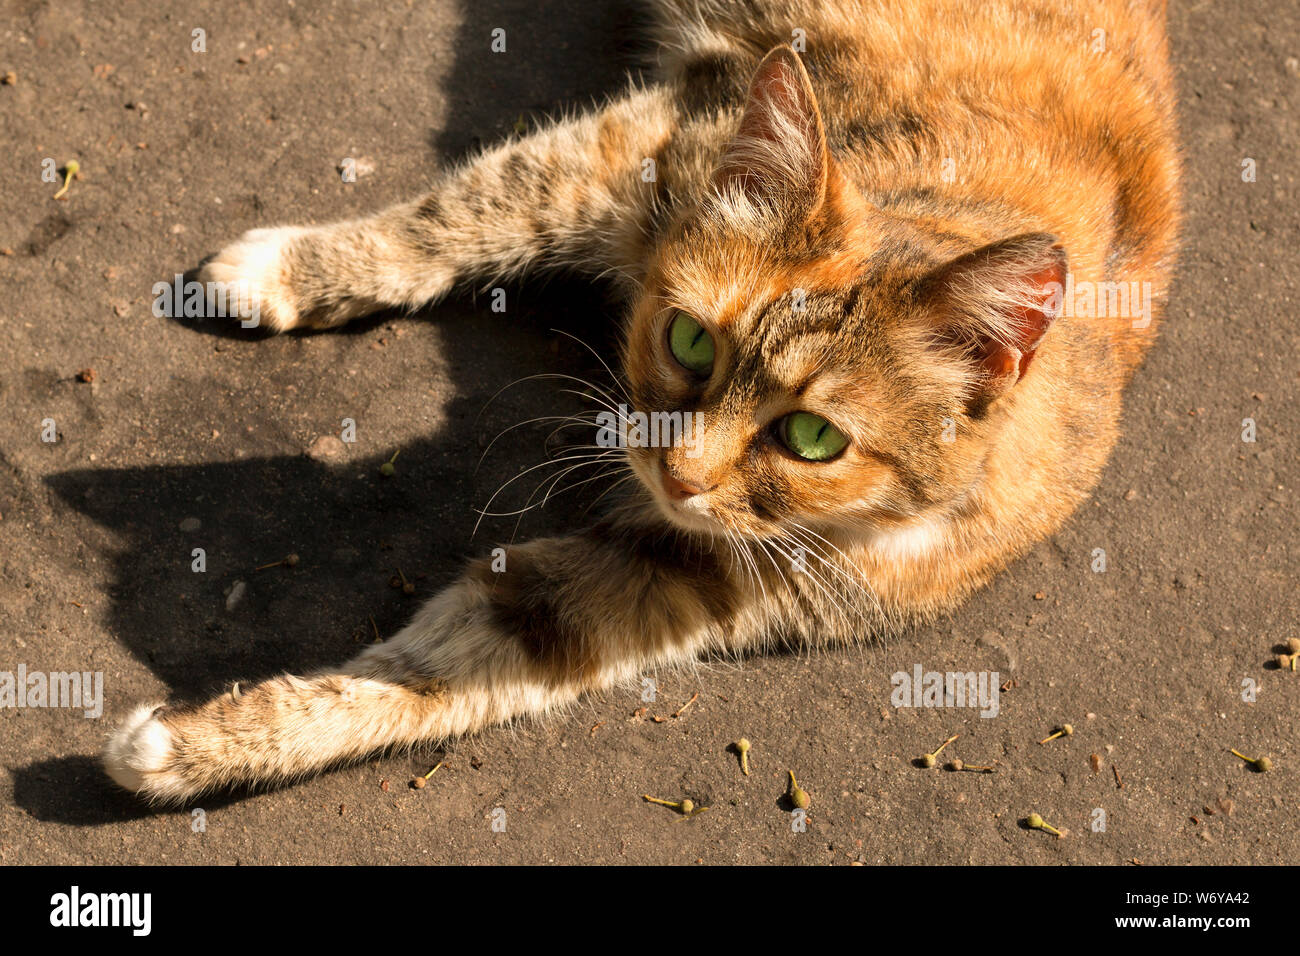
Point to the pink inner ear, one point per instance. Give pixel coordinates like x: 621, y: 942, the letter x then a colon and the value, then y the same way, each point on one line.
x: 1006, y: 363
x: 780, y: 145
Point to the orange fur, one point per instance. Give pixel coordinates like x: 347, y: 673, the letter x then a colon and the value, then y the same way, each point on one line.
x: 868, y: 231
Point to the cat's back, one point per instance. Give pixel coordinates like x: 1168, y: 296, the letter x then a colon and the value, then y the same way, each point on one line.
x: 863, y: 49
x: 983, y: 118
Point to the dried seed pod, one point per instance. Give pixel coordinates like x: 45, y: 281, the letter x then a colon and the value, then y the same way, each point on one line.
x: 1261, y: 764
x: 928, y: 760
x: 1035, y: 822
x: 743, y: 745
x: 1065, y: 731
x: 686, y: 807
x: 798, y: 795
x: 70, y: 170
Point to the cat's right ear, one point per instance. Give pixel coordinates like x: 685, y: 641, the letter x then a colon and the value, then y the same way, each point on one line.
x: 778, y: 158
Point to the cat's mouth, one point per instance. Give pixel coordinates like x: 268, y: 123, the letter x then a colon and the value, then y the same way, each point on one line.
x: 690, y: 517
x: 692, y: 512
x: 700, y: 512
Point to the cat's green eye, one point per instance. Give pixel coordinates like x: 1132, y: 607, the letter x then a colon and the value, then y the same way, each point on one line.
x: 691, y: 345
x: 811, y: 437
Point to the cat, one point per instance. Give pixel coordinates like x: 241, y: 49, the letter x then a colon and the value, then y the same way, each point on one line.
x: 876, y: 256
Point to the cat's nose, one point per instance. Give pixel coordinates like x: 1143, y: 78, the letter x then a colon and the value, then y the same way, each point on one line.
x: 680, y: 490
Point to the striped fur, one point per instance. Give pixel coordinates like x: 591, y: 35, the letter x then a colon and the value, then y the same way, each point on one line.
x: 873, y: 228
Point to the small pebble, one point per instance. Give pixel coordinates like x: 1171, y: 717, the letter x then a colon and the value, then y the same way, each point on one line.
x: 327, y: 448
x: 236, y: 595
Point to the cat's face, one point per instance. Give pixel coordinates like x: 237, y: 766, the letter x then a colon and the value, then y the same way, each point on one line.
x: 832, y: 376
x: 805, y: 407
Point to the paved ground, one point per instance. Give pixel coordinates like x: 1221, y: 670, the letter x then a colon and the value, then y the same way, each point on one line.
x: 182, y: 151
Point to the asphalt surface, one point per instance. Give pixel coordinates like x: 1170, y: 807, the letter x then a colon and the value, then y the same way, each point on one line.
x: 182, y: 422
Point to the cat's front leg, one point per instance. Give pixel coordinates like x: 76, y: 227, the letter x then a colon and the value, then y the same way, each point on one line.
x: 570, y: 195
x: 562, y: 617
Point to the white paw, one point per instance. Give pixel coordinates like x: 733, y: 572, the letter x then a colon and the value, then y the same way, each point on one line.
x: 139, y: 752
x: 250, y: 274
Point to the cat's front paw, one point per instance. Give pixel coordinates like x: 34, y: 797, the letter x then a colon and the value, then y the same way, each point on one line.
x: 249, y: 280
x: 139, y: 756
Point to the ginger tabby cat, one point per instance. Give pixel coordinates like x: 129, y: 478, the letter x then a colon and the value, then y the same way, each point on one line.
x: 883, y: 271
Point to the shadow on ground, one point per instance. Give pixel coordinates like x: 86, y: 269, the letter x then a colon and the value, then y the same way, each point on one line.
x: 350, y: 526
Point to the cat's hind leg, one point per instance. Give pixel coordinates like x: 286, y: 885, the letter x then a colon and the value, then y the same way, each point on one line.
x: 571, y: 615
x: 266, y: 733
x: 281, y: 729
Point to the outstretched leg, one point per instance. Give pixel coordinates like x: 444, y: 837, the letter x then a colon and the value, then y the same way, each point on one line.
x: 569, y: 195
x: 567, y: 615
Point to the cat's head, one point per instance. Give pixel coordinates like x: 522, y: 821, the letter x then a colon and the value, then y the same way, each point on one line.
x: 840, y: 364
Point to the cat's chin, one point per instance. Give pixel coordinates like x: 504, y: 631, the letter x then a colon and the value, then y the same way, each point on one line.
x: 687, y: 518
x: 700, y: 522
x: 692, y: 521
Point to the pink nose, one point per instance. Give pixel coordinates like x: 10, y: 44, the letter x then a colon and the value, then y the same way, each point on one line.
x: 680, y: 490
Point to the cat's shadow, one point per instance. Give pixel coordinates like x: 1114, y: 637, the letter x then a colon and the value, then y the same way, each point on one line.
x: 350, y: 526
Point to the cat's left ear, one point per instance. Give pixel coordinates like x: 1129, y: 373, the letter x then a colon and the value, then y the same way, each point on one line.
x: 779, y: 158
x: 994, y: 306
